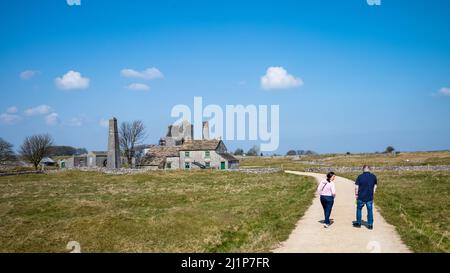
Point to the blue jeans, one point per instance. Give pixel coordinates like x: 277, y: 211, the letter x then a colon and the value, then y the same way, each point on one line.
x: 359, y: 206
x: 327, y: 204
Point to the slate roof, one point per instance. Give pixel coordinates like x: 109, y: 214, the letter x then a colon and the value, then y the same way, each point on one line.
x: 47, y: 160
x: 168, y: 151
x: 228, y: 157
x: 156, y: 155
x: 200, y: 145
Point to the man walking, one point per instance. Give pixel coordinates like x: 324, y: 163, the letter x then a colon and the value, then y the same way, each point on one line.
x: 365, y: 187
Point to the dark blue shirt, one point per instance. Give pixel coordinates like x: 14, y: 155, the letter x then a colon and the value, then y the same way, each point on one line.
x: 366, y: 183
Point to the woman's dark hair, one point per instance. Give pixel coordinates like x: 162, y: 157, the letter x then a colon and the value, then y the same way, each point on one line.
x: 330, y: 175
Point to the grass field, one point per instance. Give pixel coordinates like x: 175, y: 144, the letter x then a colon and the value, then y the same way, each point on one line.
x: 153, y: 212
x: 209, y: 211
x: 339, y: 160
x: 418, y: 205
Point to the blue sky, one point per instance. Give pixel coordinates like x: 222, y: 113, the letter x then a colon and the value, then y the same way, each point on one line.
x: 372, y: 76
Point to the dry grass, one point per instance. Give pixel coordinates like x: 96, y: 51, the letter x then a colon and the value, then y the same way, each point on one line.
x: 9, y: 169
x: 339, y: 160
x: 402, y: 159
x: 152, y: 212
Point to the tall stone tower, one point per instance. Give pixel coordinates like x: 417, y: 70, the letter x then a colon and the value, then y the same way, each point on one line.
x: 113, y: 161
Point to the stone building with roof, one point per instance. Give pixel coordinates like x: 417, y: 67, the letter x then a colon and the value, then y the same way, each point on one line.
x: 161, y: 157
x: 192, y: 154
x: 181, y: 151
x: 210, y: 154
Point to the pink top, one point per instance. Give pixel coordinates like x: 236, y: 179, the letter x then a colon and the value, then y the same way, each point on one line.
x: 326, y: 188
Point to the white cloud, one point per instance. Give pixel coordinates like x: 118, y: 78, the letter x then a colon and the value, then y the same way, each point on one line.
x: 73, y: 2
x: 12, y: 110
x: 6, y: 118
x: 38, y: 110
x: 28, y: 74
x: 444, y: 91
x: 147, y: 74
x: 72, y: 80
x: 52, y: 119
x: 279, y: 78
x: 138, y: 87
x: 104, y: 123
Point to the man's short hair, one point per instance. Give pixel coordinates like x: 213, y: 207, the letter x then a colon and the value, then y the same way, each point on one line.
x: 366, y: 168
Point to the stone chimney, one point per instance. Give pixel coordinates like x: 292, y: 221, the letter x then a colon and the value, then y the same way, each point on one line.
x: 113, y: 161
x: 205, y: 130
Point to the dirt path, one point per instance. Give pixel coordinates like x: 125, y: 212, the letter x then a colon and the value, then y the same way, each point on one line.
x: 310, y: 235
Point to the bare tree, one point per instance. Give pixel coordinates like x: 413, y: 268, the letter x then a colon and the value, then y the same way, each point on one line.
x: 35, y: 148
x: 6, y: 152
x: 131, y: 135
x: 138, y: 156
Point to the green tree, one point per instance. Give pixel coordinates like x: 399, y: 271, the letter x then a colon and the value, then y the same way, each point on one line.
x: 389, y: 150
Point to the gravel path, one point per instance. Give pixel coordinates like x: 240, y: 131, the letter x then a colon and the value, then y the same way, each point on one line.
x: 310, y: 235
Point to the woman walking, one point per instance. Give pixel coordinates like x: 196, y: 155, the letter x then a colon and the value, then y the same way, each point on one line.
x: 327, y: 191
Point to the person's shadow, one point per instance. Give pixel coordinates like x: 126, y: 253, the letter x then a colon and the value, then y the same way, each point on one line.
x: 323, y: 221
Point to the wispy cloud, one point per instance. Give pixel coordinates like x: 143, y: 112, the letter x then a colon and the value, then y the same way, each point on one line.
x: 147, y: 74
x: 138, y: 87
x: 12, y: 110
x: 38, y: 110
x: 9, y: 119
x: 52, y: 119
x: 28, y: 74
x: 444, y: 91
x: 73, y: 2
x: 72, y: 80
x: 279, y: 78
